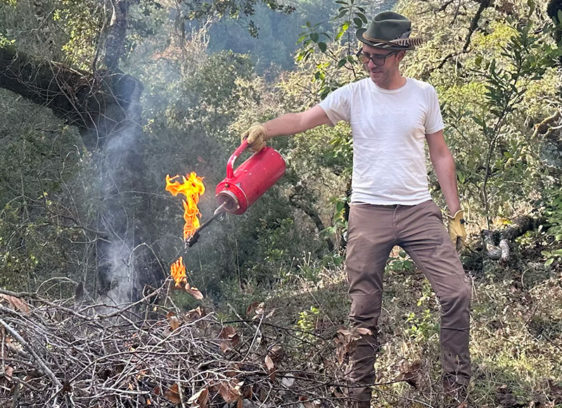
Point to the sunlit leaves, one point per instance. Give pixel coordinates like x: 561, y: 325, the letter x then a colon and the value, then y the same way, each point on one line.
x: 349, y: 17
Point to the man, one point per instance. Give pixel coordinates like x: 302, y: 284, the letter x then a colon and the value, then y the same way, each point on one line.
x: 391, y: 117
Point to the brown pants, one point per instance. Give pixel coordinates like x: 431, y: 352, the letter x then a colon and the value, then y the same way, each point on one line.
x: 419, y: 230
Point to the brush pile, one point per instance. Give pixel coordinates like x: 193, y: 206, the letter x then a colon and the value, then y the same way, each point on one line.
x: 65, y: 354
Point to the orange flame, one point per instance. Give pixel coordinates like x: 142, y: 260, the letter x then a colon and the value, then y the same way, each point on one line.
x: 177, y: 270
x: 191, y: 187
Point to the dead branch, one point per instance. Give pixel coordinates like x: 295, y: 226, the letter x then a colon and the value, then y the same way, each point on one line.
x: 497, y: 243
x: 39, y: 360
x: 95, y: 355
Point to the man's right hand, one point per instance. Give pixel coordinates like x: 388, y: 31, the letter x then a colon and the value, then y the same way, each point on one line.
x: 256, y: 136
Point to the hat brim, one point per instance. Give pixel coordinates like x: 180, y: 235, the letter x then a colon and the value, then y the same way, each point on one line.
x: 405, y: 44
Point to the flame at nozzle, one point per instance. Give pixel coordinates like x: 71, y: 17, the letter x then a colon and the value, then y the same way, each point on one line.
x: 191, y: 187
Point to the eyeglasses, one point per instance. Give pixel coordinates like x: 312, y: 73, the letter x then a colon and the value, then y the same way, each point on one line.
x: 378, y: 59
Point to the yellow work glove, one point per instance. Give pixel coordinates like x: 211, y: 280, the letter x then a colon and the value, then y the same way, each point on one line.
x: 457, y: 233
x: 256, y: 136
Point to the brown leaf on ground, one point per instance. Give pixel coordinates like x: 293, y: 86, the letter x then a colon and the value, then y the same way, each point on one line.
x: 363, y: 331
x: 410, y: 373
x: 346, y: 340
x: 15, y: 303
x: 229, y: 337
x: 13, y: 345
x: 256, y: 310
x: 200, y: 399
x: 230, y: 391
x: 8, y: 372
x: 276, y: 353
x: 269, y: 364
x: 172, y: 394
x: 193, y: 291
x: 173, y: 320
x: 195, y: 314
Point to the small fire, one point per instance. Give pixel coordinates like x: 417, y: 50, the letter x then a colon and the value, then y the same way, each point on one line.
x: 177, y: 270
x: 191, y: 187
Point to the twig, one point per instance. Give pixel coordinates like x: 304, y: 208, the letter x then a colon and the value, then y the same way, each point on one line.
x: 39, y: 360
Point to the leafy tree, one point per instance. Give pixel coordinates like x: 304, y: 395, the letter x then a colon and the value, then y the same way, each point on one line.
x: 99, y: 38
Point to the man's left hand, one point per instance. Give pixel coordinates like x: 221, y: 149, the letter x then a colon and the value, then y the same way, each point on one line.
x: 457, y: 233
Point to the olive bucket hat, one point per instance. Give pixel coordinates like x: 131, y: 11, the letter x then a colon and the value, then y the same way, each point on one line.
x: 389, y: 30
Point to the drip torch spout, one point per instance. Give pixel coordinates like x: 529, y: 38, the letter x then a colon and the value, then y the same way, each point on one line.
x: 220, y: 210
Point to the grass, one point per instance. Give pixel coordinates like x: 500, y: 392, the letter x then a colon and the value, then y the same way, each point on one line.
x: 516, y: 331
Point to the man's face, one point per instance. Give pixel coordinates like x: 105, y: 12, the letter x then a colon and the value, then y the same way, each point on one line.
x: 382, y: 65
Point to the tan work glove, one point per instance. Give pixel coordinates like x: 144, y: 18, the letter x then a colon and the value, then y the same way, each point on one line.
x: 457, y: 233
x: 256, y: 136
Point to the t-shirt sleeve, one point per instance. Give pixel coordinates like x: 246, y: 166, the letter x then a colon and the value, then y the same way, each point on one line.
x: 433, y: 119
x: 337, y: 105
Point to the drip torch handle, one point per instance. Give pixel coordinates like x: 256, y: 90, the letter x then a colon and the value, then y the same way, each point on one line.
x: 221, y: 209
x: 230, y: 164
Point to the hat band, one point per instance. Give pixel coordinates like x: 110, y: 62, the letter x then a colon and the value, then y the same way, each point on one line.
x: 398, y: 41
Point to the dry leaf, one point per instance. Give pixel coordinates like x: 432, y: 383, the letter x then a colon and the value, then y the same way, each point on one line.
x: 173, y: 320
x: 8, y: 372
x: 230, y: 338
x: 172, y: 394
x: 276, y: 353
x: 194, y: 314
x: 346, y: 340
x: 193, y: 291
x: 13, y: 345
x: 269, y: 364
x: 364, y: 331
x: 410, y: 373
x: 15, y: 303
x: 256, y: 308
x: 200, y: 398
x: 230, y: 391
x: 270, y: 367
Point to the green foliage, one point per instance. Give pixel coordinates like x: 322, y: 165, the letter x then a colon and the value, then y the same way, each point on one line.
x: 524, y: 59
x: 275, y: 39
x: 553, y: 213
x: 401, y: 263
x: 339, y: 220
x: 43, y: 231
x: 350, y: 16
x: 494, y: 95
x: 307, y: 319
x: 422, y: 325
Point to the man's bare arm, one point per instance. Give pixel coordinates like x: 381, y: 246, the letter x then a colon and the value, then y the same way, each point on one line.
x: 291, y: 123
x: 444, y: 166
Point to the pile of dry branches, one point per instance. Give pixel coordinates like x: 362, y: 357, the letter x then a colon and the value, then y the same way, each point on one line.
x: 63, y: 354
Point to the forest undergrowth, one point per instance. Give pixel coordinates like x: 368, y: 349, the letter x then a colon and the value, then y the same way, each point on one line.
x: 286, y: 346
x: 516, y: 331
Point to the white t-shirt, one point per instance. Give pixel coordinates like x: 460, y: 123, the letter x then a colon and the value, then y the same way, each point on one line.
x: 389, y: 128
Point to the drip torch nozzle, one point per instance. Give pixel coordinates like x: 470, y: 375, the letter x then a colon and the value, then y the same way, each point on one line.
x: 220, y: 210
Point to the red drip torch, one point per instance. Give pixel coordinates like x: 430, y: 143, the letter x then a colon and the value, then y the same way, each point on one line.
x: 245, y: 184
